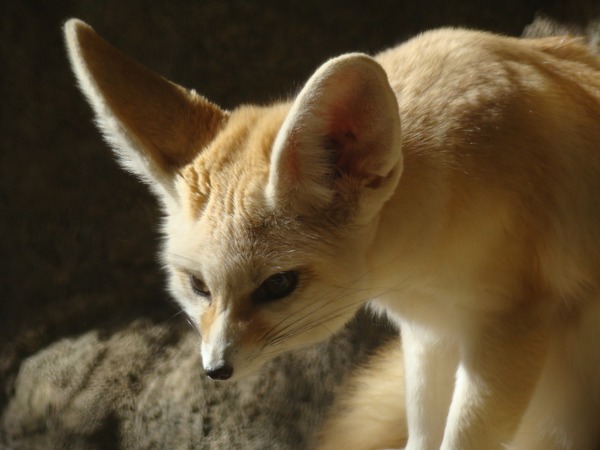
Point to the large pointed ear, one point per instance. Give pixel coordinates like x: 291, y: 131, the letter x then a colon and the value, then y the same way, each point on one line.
x: 342, y: 132
x: 155, y: 127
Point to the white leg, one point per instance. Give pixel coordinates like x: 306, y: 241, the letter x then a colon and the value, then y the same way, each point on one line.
x: 559, y: 418
x: 429, y: 365
x: 564, y: 411
x: 501, y: 361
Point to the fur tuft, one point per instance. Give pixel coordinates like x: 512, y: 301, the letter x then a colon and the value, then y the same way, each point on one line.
x: 371, y: 413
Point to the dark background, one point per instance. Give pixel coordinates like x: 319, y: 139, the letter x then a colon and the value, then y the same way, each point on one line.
x: 77, y: 235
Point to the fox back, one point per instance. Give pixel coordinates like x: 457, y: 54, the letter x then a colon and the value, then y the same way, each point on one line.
x: 453, y: 182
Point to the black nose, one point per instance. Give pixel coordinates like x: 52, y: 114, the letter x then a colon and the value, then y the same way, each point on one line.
x: 223, y: 372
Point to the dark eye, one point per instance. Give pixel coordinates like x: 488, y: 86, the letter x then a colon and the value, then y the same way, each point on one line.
x: 199, y: 287
x: 275, y: 287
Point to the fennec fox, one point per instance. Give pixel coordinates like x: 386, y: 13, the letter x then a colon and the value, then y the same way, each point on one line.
x: 453, y: 182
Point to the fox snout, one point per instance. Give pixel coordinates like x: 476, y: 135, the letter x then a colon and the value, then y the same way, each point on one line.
x: 220, y: 347
x: 221, y: 373
x: 216, y: 361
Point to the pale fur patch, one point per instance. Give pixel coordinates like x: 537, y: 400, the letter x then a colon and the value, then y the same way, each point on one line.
x: 371, y: 413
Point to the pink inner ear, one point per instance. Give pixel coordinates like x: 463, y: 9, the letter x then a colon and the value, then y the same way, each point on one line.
x: 342, y: 143
x: 345, y: 134
x: 292, y: 162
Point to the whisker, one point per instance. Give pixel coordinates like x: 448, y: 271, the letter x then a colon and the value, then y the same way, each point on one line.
x: 187, y: 319
x: 278, y: 326
x: 319, y: 306
x: 178, y: 313
x: 316, y: 305
x: 282, y: 335
x: 310, y: 324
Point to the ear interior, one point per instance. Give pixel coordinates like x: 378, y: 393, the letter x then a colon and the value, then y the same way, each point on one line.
x: 344, y: 126
x: 155, y: 126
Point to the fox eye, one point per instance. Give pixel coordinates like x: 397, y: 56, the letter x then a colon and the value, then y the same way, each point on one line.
x: 199, y: 287
x: 275, y: 287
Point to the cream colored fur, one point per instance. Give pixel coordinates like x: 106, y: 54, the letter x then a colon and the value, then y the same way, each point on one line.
x: 370, y: 414
x: 453, y: 182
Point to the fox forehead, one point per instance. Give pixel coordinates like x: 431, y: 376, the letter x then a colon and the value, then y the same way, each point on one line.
x: 233, y: 255
x: 222, y: 227
x: 230, y: 174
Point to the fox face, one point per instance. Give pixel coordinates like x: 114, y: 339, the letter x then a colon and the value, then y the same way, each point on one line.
x: 268, y: 210
x: 255, y: 278
x: 255, y: 290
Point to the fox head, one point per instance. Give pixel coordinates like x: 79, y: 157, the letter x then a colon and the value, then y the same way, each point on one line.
x: 268, y: 210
